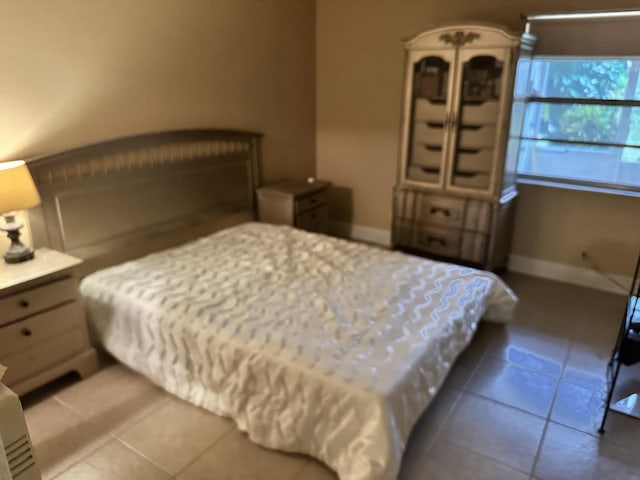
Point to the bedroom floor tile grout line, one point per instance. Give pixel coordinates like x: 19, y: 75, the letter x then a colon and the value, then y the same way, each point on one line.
x: 540, y: 443
x: 499, y: 402
x: 113, y: 436
x: 146, y: 457
x: 509, y: 405
x: 525, y: 367
x: 443, y: 422
x: 489, y: 457
x: 549, y: 414
x: 201, y: 454
x: 558, y: 378
x: 89, y: 452
x: 492, y: 459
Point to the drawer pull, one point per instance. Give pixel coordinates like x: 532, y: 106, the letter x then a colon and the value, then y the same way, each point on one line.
x: 26, y: 332
x: 439, y: 210
x: 23, y: 303
x: 312, y: 200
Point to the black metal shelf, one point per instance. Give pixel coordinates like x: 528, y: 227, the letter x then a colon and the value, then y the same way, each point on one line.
x: 625, y: 353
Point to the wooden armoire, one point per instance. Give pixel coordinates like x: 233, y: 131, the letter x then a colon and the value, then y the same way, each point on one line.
x: 456, y: 189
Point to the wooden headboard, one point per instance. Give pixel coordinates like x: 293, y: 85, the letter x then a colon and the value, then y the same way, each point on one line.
x: 120, y: 199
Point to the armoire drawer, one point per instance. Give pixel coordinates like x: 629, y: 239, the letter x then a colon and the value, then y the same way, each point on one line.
x: 438, y: 241
x: 423, y: 174
x: 451, y: 242
x: 428, y: 111
x: 426, y: 155
x: 475, y: 161
x: 28, y: 302
x: 476, y: 180
x: 428, y: 132
x: 480, y: 136
x: 440, y: 210
x: 473, y: 114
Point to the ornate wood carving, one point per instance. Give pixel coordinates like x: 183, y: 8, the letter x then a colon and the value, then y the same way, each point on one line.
x: 459, y: 38
x: 144, y: 152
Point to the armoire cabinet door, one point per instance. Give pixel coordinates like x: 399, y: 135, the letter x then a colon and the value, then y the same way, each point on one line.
x: 476, y: 120
x: 432, y: 87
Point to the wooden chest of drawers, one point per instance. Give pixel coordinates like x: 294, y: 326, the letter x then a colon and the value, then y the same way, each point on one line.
x: 296, y: 203
x: 43, y: 333
x: 470, y: 230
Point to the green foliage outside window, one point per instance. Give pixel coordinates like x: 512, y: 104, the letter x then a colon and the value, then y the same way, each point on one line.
x: 592, y: 79
x: 589, y: 123
x: 597, y: 79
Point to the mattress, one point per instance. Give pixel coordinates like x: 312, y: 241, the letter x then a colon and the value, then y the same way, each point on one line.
x: 312, y: 344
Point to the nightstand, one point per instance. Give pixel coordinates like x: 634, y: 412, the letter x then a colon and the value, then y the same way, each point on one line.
x: 43, y: 331
x: 298, y: 203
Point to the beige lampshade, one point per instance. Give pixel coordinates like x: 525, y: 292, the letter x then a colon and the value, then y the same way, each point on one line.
x: 17, y: 190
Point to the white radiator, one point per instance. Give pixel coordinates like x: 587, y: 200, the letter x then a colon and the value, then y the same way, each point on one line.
x: 17, y: 461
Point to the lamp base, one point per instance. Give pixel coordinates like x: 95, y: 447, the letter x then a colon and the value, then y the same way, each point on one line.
x: 17, y: 251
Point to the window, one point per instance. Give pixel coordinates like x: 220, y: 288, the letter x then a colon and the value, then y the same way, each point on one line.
x: 581, y: 110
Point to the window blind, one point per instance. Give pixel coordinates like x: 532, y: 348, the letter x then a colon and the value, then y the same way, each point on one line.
x: 586, y: 34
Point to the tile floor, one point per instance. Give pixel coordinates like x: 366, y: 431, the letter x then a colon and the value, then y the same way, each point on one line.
x: 524, y: 401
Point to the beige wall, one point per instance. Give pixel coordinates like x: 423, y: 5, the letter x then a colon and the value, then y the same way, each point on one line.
x: 75, y: 72
x: 607, y: 227
x: 359, y: 95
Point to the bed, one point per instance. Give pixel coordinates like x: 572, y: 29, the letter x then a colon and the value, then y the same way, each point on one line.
x: 312, y: 344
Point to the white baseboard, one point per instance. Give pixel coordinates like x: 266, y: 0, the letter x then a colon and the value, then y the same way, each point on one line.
x: 364, y: 234
x: 585, y: 277
x: 561, y: 272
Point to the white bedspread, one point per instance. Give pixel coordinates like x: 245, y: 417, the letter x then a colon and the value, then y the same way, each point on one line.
x: 312, y: 344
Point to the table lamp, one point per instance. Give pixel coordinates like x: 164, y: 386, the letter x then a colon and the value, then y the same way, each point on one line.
x: 17, y: 192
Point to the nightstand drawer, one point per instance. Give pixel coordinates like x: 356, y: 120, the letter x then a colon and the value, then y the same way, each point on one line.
x: 27, y: 302
x: 315, y: 220
x: 32, y: 361
x: 39, y: 328
x: 312, y: 201
x: 297, y: 203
